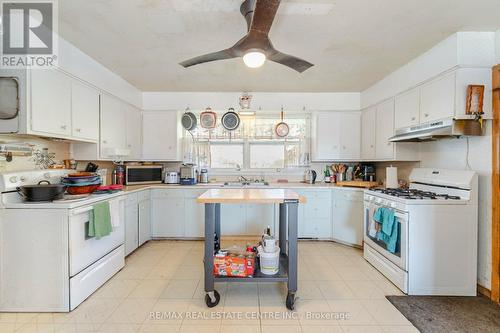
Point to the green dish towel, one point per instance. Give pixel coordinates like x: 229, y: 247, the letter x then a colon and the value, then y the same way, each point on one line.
x: 100, y: 220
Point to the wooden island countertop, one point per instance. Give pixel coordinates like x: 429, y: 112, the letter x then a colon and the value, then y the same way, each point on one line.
x: 256, y: 196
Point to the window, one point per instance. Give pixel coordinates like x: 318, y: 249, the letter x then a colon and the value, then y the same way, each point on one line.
x: 254, y: 145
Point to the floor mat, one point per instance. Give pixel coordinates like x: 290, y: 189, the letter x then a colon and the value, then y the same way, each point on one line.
x: 431, y: 314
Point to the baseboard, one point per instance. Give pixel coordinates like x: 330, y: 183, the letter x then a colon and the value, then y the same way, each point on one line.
x: 484, y: 291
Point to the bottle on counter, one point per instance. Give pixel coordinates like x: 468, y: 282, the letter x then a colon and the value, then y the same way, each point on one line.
x: 328, y: 177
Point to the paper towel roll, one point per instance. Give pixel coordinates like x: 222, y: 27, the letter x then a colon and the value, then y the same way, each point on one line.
x: 391, y: 177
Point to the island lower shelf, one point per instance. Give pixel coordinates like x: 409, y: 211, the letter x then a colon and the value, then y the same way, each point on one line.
x: 258, y: 276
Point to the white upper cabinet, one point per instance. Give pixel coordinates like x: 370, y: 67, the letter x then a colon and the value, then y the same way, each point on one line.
x: 50, y: 102
x: 407, y: 109
x: 134, y: 133
x: 84, y: 111
x: 336, y: 136
x: 113, y: 125
x: 368, y: 133
x: 161, y: 136
x: 385, y: 130
x: 438, y: 99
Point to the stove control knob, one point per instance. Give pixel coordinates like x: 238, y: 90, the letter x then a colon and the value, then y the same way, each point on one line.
x: 13, y: 179
x: 46, y: 175
x: 23, y: 179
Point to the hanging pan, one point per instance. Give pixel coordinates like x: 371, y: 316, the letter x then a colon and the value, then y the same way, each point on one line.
x: 208, y: 118
x: 189, y: 121
x: 230, y: 120
x: 282, y: 128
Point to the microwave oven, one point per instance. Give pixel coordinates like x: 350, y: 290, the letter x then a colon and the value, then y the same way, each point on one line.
x: 143, y: 174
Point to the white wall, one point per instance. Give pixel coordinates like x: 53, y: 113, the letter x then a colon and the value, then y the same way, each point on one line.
x: 79, y: 64
x: 497, y: 47
x: 451, y: 154
x: 465, y: 49
x: 263, y: 100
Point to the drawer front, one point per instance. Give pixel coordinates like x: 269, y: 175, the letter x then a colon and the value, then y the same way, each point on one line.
x: 144, y: 195
x: 167, y: 193
x: 131, y: 199
x: 85, y: 250
x: 89, y: 280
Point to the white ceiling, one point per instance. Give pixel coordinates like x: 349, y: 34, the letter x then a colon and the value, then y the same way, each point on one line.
x: 353, y: 43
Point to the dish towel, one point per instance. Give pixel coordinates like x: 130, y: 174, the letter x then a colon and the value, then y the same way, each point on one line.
x: 100, y: 220
x: 388, y: 232
x: 373, y: 227
x: 114, y: 211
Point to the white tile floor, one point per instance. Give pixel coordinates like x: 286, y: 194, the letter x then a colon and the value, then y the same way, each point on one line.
x: 166, y: 277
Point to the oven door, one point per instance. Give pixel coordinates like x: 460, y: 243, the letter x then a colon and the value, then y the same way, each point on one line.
x: 85, y: 250
x: 399, y: 257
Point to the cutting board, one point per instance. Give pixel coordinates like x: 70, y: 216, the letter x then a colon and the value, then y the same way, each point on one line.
x: 356, y: 183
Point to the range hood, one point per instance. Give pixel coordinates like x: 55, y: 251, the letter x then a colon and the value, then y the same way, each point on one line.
x: 447, y: 128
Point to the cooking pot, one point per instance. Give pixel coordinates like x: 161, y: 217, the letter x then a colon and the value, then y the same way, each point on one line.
x: 44, y: 191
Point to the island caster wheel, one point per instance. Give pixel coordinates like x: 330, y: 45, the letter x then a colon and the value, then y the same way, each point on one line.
x: 212, y: 300
x: 290, y: 301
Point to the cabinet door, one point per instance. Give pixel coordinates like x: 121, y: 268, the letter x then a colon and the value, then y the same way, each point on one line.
x: 348, y: 216
x: 160, y: 136
x: 384, y: 149
x: 168, y: 213
x: 131, y: 228
x: 133, y: 135
x: 50, y: 102
x: 350, y: 135
x: 258, y: 217
x: 113, y: 125
x: 326, y: 136
x: 315, y: 217
x: 195, y: 214
x: 407, y: 109
x: 368, y: 130
x: 233, y: 220
x: 144, y: 221
x: 85, y: 111
x: 438, y: 99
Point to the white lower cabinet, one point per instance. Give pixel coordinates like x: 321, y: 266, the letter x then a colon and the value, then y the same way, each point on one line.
x: 347, y: 219
x: 195, y: 214
x: 167, y: 213
x: 131, y: 223
x: 315, y: 216
x: 144, y: 206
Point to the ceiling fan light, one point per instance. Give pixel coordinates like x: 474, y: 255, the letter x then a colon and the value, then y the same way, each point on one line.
x: 254, y: 59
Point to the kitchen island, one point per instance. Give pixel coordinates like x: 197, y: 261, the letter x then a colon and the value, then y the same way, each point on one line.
x: 288, y: 202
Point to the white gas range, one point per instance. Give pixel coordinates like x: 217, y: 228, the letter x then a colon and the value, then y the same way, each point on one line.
x: 436, y: 248
x: 48, y: 263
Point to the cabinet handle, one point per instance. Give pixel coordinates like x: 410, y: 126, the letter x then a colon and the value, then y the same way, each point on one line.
x: 129, y: 146
x: 413, y: 118
x: 78, y: 130
x: 63, y: 127
x: 389, y: 143
x: 343, y: 147
x: 104, y: 141
x: 426, y: 115
x: 371, y: 146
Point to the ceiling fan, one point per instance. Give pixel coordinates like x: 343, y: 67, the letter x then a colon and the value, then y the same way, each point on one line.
x: 255, y: 47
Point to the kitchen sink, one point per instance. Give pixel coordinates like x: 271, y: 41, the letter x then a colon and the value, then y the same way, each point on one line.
x: 245, y: 184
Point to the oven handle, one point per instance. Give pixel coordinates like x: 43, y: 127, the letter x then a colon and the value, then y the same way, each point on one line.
x: 90, y: 208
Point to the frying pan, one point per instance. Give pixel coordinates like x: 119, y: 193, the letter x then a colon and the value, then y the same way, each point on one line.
x: 282, y: 129
x: 230, y: 120
x: 189, y: 121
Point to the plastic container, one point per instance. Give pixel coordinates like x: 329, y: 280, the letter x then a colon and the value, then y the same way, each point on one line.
x: 269, y: 261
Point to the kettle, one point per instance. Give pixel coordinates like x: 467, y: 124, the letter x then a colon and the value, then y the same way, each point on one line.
x: 310, y: 176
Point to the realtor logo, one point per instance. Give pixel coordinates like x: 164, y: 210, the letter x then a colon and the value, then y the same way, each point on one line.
x: 28, y: 35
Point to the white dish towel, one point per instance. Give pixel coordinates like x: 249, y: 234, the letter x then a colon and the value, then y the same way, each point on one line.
x: 114, y: 212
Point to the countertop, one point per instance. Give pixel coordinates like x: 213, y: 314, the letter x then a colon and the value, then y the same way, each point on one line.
x: 291, y: 185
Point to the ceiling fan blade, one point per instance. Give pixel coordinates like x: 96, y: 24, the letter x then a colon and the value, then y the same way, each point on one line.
x: 219, y: 55
x: 293, y: 62
x: 263, y: 15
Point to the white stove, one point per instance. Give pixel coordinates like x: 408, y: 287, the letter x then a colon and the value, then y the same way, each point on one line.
x: 48, y: 263
x: 436, y: 247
